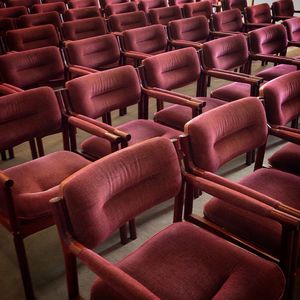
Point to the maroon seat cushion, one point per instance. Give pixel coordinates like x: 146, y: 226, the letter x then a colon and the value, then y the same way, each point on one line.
x: 274, y: 72
x: 37, y: 181
x: 177, y: 116
x: 186, y: 262
x: 265, y: 233
x: 140, y: 130
x: 287, y: 159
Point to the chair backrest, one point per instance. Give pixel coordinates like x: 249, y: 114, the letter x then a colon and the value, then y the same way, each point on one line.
x: 104, y: 3
x: 202, y: 8
x: 172, y: 69
x: 60, y: 7
x: 95, y: 52
x: 228, y: 20
x: 293, y: 29
x: 85, y: 28
x: 149, y: 39
x: 28, y: 114
x: 13, y: 12
x: 25, y: 3
x: 226, y: 132
x: 82, y: 3
x: 121, y: 22
x: 82, y: 13
x: 96, y: 210
x: 260, y: 13
x: 268, y: 40
x: 95, y: 94
x: 120, y: 8
x: 179, y: 3
x: 32, y: 67
x: 283, y: 8
x: 195, y: 29
x: 226, y: 53
x: 282, y: 98
x: 40, y: 19
x: 164, y: 15
x: 146, y: 5
x: 32, y: 38
x: 231, y: 4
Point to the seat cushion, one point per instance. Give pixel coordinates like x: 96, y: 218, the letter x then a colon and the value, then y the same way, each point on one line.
x: 232, y: 91
x: 140, y: 130
x: 274, y: 72
x: 176, y: 116
x: 263, y: 232
x: 37, y: 181
x: 287, y: 159
x: 186, y: 262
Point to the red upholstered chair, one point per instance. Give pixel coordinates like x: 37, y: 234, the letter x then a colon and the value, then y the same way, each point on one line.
x: 168, y: 71
x: 232, y: 4
x: 104, y: 3
x: 216, y: 4
x: 82, y: 29
x: 83, y: 3
x: 26, y: 188
x: 121, y: 22
x: 202, y: 8
x: 164, y: 15
x: 182, y: 261
x: 215, y: 138
x: 180, y: 3
x: 26, y: 3
x: 59, y: 7
x: 32, y: 38
x: 82, y: 13
x: 259, y: 14
x: 292, y: 27
x: 120, y: 8
x: 146, y: 5
x: 283, y: 9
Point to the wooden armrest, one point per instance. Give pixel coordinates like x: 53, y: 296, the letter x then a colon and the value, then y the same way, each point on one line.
x: 276, y: 59
x: 184, y: 44
x: 80, y: 70
x: 286, y: 133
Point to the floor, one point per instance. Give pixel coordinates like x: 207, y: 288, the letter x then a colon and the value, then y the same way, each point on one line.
x: 43, y: 248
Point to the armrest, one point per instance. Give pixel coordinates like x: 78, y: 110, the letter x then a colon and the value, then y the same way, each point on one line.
x: 276, y: 59
x: 184, y: 44
x: 294, y: 43
x: 279, y: 18
x: 80, y: 70
x: 136, y: 55
x: 252, y: 26
x: 286, y: 133
x: 223, y: 33
x: 6, y: 89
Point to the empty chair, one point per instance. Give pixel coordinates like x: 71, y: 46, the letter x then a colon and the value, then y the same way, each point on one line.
x: 182, y: 246
x: 168, y: 71
x: 85, y: 28
x: 146, y: 5
x: 121, y: 22
x: 25, y: 3
x: 180, y: 3
x: 231, y: 4
x: 60, y: 7
x: 293, y: 30
x: 202, y: 8
x: 238, y: 127
x: 120, y: 8
x: 82, y: 13
x: 40, y: 19
x: 283, y: 9
x: 104, y: 3
x: 164, y: 15
x: 82, y: 3
x: 259, y: 14
x: 26, y: 188
x: 32, y: 38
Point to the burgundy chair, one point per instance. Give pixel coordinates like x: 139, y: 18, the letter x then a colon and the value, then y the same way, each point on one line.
x: 120, y: 8
x: 26, y: 188
x: 82, y: 3
x: 25, y: 3
x: 180, y: 3
x: 232, y: 4
x: 146, y: 5
x: 32, y: 38
x: 104, y: 3
x: 216, y: 4
x: 259, y: 14
x: 208, y: 265
x: 59, y: 7
x: 168, y: 71
x: 215, y: 138
x: 82, y: 29
x: 292, y: 27
x: 283, y: 9
x: 82, y: 13
x: 121, y: 22
x: 164, y: 15
x: 202, y: 8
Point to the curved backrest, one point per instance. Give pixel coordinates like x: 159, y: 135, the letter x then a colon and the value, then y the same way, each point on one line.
x: 202, y: 8
x: 268, y: 40
x: 293, y: 29
x: 283, y: 8
x: 282, y: 98
x: 85, y: 28
x: 104, y: 3
x: 82, y: 13
x: 164, y: 15
x: 179, y: 3
x: 13, y: 12
x: 146, y: 5
x: 32, y: 67
x: 40, y: 19
x: 28, y: 114
x: 125, y: 184
x: 60, y: 7
x: 226, y: 132
x: 149, y: 39
x: 126, y: 21
x: 172, y: 69
x: 25, y: 3
x: 226, y: 53
x: 95, y: 94
x: 231, y: 4
x: 228, y: 20
x: 120, y: 8
x: 195, y: 29
x: 260, y: 13
x: 82, y: 3
x: 32, y: 38
x: 95, y: 52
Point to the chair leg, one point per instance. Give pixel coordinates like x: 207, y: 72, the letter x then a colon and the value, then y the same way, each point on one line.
x: 122, y: 112
x: 123, y: 234
x: 11, y: 153
x: 24, y: 268
x: 132, y: 229
x: 3, y: 155
x: 250, y: 157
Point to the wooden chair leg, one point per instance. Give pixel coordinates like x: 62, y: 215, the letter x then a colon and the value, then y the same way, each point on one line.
x: 122, y: 112
x: 3, y: 155
x: 11, y: 153
x: 24, y: 268
x: 132, y: 229
x: 250, y: 157
x: 123, y: 234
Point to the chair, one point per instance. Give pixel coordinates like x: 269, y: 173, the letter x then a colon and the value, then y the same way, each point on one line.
x: 232, y: 4
x: 204, y: 260
x: 17, y: 3
x: 59, y: 7
x: 164, y: 15
x: 82, y: 29
x: 283, y: 9
x: 26, y: 188
x: 104, y: 3
x: 180, y: 3
x: 165, y: 72
x: 82, y: 13
x: 259, y: 14
x: 120, y: 8
x: 215, y: 138
x: 146, y: 5
x: 83, y: 3
x: 202, y: 8
x: 292, y: 27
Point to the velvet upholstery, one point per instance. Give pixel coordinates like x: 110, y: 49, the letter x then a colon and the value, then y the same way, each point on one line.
x: 283, y: 8
x: 13, y: 12
x: 32, y: 37
x: 40, y: 19
x: 146, y: 5
x: 229, y: 20
x: 232, y: 4
x: 47, y: 7
x: 81, y: 13
x: 104, y: 3
x: 293, y: 29
x: 82, y: 3
x: 202, y: 8
x: 260, y: 13
x: 82, y: 29
x: 120, y: 8
x: 25, y: 3
x: 164, y: 15
x: 179, y: 3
